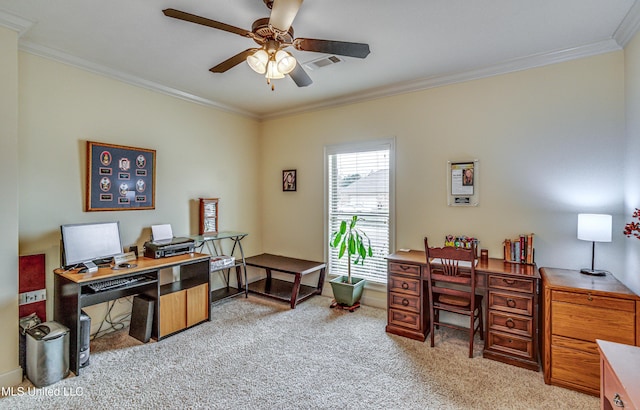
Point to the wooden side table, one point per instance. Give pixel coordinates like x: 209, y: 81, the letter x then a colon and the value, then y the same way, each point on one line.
x: 619, y: 375
x: 292, y: 292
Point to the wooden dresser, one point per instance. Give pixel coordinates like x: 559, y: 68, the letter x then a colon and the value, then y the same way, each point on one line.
x: 510, y: 311
x: 407, y: 303
x: 620, y: 380
x: 577, y: 310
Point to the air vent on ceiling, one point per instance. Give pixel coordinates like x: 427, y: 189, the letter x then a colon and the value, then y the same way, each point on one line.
x: 322, y: 62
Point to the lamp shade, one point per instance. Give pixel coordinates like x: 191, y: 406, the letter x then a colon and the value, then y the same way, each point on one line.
x: 258, y: 61
x: 594, y: 227
x: 285, y: 62
x: 272, y: 71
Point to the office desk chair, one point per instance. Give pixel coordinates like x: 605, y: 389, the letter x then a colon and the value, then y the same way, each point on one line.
x: 453, y: 290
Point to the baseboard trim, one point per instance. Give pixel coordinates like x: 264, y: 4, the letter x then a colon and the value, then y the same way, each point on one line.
x: 11, y: 378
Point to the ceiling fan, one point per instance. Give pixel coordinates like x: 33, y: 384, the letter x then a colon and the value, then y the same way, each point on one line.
x: 273, y: 35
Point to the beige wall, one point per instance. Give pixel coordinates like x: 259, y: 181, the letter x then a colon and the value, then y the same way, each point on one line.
x: 632, y: 187
x: 549, y: 141
x: 201, y: 152
x: 10, y: 374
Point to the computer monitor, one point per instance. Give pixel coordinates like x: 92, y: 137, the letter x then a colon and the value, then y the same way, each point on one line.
x: 89, y: 243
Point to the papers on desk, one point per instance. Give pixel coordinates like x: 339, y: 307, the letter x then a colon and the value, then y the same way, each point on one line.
x: 464, y: 264
x: 221, y: 262
x: 162, y: 233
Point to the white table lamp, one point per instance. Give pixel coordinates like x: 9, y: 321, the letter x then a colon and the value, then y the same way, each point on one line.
x: 594, y: 228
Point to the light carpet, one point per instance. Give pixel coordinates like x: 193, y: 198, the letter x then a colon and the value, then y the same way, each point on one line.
x: 259, y: 354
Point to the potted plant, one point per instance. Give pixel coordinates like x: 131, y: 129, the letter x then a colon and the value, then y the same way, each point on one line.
x: 350, y: 241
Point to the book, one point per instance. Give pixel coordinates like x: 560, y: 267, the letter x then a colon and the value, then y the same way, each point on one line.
x: 520, y: 249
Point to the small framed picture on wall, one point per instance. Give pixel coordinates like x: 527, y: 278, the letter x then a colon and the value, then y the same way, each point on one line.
x: 289, y: 180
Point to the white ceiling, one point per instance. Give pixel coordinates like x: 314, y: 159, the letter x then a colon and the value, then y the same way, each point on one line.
x: 415, y: 44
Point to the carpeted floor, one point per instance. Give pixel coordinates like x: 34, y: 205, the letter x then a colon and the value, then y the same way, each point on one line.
x: 259, y: 354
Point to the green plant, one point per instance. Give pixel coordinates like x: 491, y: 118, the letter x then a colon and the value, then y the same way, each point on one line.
x: 351, y: 240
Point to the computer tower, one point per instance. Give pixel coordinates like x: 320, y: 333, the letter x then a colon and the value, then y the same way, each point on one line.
x: 141, y: 318
x: 85, y: 338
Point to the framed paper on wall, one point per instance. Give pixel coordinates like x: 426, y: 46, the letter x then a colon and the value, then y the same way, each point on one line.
x: 289, y: 180
x: 120, y: 178
x: 462, y: 183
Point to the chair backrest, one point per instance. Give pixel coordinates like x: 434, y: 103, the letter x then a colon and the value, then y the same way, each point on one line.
x: 444, y: 265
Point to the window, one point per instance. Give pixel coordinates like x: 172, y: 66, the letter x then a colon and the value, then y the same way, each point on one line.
x: 359, y: 180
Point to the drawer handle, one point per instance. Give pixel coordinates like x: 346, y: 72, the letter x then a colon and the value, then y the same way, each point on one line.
x: 589, y: 297
x: 405, y: 285
x: 405, y: 302
x: 403, y: 267
x: 617, y: 400
x: 511, y: 303
x: 510, y: 323
x: 509, y: 281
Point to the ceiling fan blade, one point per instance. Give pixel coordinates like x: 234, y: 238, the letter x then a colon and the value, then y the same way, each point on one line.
x: 181, y: 15
x: 283, y: 12
x: 233, y: 61
x: 300, y: 77
x: 343, y: 48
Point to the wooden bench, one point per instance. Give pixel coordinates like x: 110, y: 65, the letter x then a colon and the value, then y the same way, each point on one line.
x: 292, y: 292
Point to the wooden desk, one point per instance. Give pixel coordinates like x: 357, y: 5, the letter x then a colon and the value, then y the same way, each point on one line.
x: 619, y: 375
x: 188, y: 295
x: 577, y: 310
x: 511, y: 305
x: 292, y: 292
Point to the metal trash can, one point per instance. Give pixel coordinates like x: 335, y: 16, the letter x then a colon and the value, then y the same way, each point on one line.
x: 47, y: 353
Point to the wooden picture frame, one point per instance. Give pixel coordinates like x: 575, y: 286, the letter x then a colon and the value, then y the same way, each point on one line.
x: 208, y: 216
x: 120, y: 178
x: 289, y: 180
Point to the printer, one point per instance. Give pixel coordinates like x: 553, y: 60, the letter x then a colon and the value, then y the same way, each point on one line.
x: 171, y: 247
x: 164, y: 244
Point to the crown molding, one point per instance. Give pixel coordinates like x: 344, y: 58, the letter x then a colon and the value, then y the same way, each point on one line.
x: 509, y: 66
x: 15, y: 23
x: 629, y: 26
x: 627, y: 29
x: 68, y: 59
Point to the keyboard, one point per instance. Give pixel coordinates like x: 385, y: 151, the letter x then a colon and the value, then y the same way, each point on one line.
x: 113, y: 283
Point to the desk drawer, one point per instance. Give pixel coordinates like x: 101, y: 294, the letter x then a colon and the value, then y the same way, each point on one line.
x: 518, y: 304
x: 587, y: 299
x: 507, y: 323
x: 576, y: 367
x: 512, y: 345
x: 405, y: 319
x: 511, y: 284
x: 404, y: 285
x: 404, y: 269
x: 590, y: 323
x: 406, y: 302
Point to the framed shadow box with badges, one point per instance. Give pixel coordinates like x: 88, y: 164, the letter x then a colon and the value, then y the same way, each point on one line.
x: 462, y: 183
x: 120, y: 178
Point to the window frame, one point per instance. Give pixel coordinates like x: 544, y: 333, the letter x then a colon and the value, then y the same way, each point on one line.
x: 361, y: 146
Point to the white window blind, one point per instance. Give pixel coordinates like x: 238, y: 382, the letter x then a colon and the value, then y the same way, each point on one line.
x: 358, y: 183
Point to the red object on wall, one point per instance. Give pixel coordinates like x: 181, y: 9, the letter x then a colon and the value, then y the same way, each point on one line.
x: 31, y: 277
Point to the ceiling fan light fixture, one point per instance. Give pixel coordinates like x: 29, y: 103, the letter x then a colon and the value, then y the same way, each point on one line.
x: 258, y: 61
x: 272, y: 71
x: 285, y: 62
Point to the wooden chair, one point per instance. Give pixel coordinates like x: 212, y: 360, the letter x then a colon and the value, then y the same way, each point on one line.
x: 453, y: 290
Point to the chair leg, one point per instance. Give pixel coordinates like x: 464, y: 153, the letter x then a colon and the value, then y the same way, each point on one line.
x: 481, y: 324
x: 432, y: 327
x: 471, y: 333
